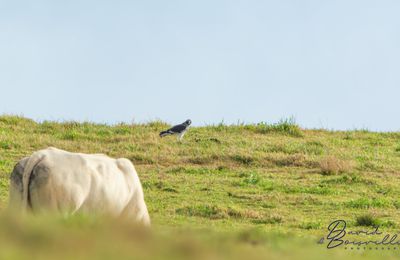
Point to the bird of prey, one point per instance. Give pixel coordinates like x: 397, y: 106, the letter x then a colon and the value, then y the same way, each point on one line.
x: 177, y: 130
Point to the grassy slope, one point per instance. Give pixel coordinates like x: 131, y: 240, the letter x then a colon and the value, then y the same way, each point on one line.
x: 238, y: 177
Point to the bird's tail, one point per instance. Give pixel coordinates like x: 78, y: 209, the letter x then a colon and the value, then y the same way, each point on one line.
x: 165, y: 133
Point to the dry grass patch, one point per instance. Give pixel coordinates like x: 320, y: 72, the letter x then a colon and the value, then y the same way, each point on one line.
x: 217, y: 212
x: 331, y: 165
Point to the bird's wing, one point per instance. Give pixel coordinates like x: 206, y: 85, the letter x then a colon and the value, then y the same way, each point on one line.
x: 177, y: 128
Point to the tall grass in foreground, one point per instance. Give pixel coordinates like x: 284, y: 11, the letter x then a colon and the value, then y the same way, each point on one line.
x: 88, y: 237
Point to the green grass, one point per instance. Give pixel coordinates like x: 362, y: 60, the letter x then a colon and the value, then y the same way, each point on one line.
x: 226, y: 180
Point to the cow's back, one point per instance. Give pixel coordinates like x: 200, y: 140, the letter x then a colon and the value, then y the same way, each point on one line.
x: 67, y: 182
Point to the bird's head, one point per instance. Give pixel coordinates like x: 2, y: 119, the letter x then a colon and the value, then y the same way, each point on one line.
x: 188, y: 122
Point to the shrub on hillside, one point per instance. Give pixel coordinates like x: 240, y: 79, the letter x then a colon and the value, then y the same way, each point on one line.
x: 367, y: 220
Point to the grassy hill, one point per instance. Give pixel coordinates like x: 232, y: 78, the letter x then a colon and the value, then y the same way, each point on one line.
x: 271, y: 180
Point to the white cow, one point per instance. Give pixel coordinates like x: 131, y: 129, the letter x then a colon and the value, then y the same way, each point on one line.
x: 59, y: 181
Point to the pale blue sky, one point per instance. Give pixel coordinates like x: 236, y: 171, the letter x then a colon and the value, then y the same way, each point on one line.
x: 332, y: 64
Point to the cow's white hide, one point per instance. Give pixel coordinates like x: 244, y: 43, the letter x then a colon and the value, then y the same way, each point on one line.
x: 53, y: 180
